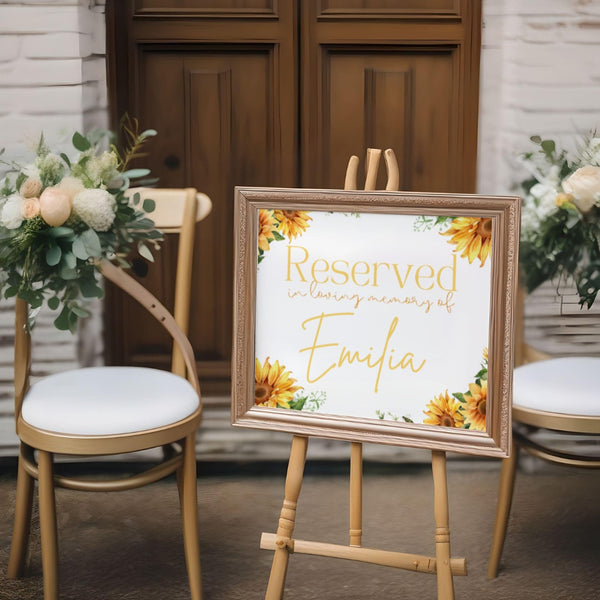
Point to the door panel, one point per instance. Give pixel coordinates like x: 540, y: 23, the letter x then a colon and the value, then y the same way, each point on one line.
x: 389, y: 99
x: 394, y: 82
x: 226, y: 115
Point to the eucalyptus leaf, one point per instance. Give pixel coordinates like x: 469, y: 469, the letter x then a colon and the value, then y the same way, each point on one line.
x: 63, y: 321
x: 57, y: 232
x: 79, y: 311
x: 53, y: 302
x: 66, y: 159
x: 69, y: 260
x: 145, y: 252
x: 548, y: 146
x: 134, y: 173
x: 92, y: 242
x: 53, y: 254
x: 80, y: 142
x: 90, y: 289
x: 79, y: 249
x: 149, y: 205
x: 68, y: 274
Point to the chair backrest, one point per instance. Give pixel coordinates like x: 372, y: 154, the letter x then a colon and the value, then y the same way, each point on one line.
x: 177, y: 211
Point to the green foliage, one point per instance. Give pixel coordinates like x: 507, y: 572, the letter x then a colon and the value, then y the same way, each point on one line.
x: 311, y: 402
x: 425, y: 223
x: 59, y: 265
x: 564, y: 242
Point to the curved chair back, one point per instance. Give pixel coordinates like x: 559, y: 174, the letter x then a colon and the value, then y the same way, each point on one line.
x: 177, y: 211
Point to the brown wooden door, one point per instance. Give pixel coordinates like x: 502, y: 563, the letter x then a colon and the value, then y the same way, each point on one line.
x: 218, y: 81
x: 401, y: 74
x: 281, y: 93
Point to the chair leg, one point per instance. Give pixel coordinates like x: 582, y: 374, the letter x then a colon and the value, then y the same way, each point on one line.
x: 505, y: 495
x: 22, y: 524
x: 48, y: 525
x: 189, y: 510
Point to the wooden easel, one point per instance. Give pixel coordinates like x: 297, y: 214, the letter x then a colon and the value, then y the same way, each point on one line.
x: 282, y: 542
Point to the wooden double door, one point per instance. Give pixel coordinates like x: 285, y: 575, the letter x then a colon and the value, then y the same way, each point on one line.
x: 281, y: 93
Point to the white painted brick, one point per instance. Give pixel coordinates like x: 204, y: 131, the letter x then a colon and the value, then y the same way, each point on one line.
x: 583, y: 32
x: 38, y: 19
x: 492, y: 32
x: 564, y: 122
x: 99, y: 35
x: 10, y: 47
x: 97, y: 118
x: 42, y: 100
x: 26, y: 129
x: 524, y: 53
x: 547, y: 75
x: 542, y: 30
x: 557, y: 98
x: 94, y: 68
x: 41, y: 72
x: 57, y: 45
x: 38, y: 2
x: 588, y: 7
x: 90, y: 95
x: 542, y: 7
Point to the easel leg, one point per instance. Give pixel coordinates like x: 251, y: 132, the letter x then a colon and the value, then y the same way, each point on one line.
x: 356, y: 484
x: 287, y: 520
x: 445, y: 584
x: 505, y: 495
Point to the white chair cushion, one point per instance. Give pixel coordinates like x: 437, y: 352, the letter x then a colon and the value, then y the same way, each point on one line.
x: 108, y: 401
x: 561, y: 385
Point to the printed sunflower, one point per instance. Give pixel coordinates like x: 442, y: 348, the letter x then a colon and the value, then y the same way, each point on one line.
x: 476, y: 405
x: 273, y: 385
x: 473, y: 236
x: 266, y: 228
x: 292, y: 223
x: 445, y: 411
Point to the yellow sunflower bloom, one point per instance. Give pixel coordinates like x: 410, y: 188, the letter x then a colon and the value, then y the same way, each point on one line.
x: 473, y: 236
x: 476, y: 402
x: 273, y: 385
x: 266, y: 226
x: 292, y: 223
x: 444, y: 410
x: 485, y: 354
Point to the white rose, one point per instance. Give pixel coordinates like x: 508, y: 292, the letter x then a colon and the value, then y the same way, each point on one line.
x: 12, y: 212
x: 584, y: 186
x: 96, y: 208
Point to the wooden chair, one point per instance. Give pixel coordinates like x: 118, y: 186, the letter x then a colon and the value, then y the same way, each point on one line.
x: 113, y: 410
x: 554, y: 394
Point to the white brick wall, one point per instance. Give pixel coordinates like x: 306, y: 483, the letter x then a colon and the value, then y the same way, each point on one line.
x: 540, y: 74
x: 52, y: 71
x: 52, y: 79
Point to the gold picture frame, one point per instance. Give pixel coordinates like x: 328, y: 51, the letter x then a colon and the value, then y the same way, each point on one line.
x: 377, y: 216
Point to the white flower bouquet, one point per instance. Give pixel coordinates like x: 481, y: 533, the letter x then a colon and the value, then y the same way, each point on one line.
x: 560, y: 233
x: 59, y: 216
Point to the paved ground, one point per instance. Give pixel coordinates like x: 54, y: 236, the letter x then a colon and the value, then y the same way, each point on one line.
x: 127, y: 545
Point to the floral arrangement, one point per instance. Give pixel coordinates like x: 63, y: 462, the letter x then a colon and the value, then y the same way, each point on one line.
x: 60, y: 215
x: 465, y: 410
x: 275, y: 225
x: 560, y: 233
x: 472, y: 236
x: 274, y: 387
